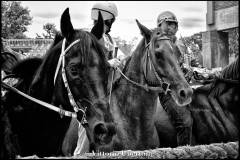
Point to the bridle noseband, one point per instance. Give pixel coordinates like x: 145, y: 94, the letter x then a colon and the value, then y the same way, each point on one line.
x: 164, y: 85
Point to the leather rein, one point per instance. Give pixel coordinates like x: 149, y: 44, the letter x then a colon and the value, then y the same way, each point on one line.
x: 164, y: 86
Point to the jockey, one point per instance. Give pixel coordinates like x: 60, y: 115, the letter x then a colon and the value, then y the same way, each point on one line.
x: 115, y: 56
x: 109, y: 12
x: 180, y: 116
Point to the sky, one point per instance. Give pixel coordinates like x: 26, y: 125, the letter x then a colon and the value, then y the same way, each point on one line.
x: 191, y: 16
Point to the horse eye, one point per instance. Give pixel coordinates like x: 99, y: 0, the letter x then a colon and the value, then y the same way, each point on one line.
x: 73, y: 70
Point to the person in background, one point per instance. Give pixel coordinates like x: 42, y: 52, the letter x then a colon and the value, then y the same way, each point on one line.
x: 109, y: 13
x: 180, y: 116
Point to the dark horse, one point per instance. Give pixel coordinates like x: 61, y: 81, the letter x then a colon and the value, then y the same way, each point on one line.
x: 151, y: 69
x: 153, y: 64
x: 214, y: 109
x: 74, y: 79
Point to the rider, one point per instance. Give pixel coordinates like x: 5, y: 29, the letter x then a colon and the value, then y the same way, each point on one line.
x: 180, y: 116
x: 109, y: 12
x: 115, y: 56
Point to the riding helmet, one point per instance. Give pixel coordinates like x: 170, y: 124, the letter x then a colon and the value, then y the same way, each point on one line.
x: 108, y: 10
x: 166, y: 16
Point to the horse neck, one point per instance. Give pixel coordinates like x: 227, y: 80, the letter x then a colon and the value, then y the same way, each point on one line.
x: 133, y: 107
x: 134, y: 72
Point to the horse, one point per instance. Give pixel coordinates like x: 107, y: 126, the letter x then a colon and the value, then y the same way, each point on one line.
x: 214, y: 110
x: 152, y: 68
x: 71, y: 80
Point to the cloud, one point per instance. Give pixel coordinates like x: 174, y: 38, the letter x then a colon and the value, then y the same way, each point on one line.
x: 133, y: 21
x: 192, y: 22
x: 46, y: 15
x: 192, y: 9
x: 78, y: 16
x: 128, y: 21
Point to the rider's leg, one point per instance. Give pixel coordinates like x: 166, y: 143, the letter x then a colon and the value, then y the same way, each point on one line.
x: 180, y: 117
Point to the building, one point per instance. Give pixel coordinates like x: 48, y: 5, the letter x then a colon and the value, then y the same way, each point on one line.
x: 34, y: 47
x: 222, y: 26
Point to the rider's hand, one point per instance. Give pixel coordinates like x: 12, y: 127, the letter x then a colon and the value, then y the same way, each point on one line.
x: 114, y: 62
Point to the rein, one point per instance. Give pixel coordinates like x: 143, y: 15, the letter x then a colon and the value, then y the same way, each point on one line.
x: 145, y: 87
x: 50, y: 106
x: 47, y: 105
x: 164, y: 87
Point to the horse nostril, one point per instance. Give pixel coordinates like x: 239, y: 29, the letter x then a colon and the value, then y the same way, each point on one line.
x: 182, y: 93
x: 103, y: 134
x: 100, y: 129
x: 111, y: 130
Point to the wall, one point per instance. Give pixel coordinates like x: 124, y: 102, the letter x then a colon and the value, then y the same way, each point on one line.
x: 221, y: 18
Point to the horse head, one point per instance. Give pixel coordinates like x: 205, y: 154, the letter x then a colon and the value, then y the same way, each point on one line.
x: 161, y: 66
x: 78, y: 81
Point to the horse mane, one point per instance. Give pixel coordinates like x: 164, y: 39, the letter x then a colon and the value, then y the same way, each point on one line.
x: 231, y: 71
x: 43, y: 79
x: 26, y: 67
x: 58, y: 37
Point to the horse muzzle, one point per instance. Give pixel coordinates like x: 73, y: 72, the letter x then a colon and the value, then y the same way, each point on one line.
x: 182, y: 96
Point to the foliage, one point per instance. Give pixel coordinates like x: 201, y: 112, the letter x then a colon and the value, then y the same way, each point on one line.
x: 194, y: 42
x: 234, y: 42
x: 125, y: 46
x: 51, y: 30
x: 15, y: 19
x: 194, y: 45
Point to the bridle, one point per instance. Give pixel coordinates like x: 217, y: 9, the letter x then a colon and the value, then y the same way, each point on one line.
x: 77, y: 106
x: 151, y: 67
x: 164, y: 86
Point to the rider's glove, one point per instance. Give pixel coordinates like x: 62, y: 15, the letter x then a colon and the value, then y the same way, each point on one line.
x: 114, y: 62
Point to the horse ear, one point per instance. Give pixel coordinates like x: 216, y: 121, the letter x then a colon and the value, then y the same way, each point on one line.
x: 98, y: 28
x: 144, y: 31
x: 66, y: 24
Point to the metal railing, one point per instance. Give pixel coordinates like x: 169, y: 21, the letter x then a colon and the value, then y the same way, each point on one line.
x: 27, y: 43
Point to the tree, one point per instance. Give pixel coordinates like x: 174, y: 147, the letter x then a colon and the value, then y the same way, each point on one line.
x: 51, y: 30
x: 234, y: 42
x: 15, y: 19
x: 126, y: 47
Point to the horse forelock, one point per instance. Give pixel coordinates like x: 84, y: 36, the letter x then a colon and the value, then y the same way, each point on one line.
x: 88, y: 41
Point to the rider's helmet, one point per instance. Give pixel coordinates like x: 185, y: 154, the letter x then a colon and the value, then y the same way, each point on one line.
x: 108, y: 10
x: 166, y: 16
